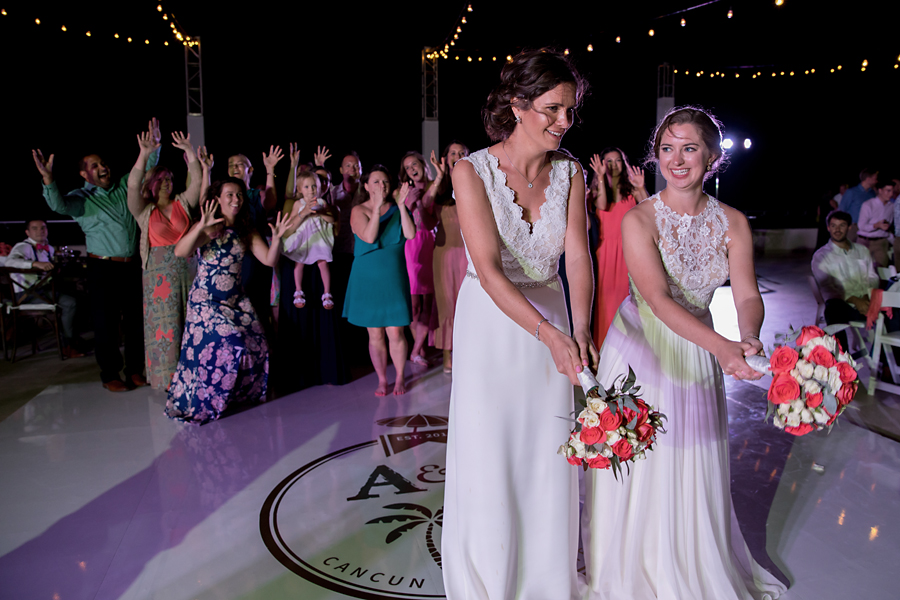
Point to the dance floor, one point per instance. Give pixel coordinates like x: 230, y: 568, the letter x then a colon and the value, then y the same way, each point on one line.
x: 332, y: 493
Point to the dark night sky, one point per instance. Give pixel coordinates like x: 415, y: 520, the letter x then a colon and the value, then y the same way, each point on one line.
x: 346, y: 78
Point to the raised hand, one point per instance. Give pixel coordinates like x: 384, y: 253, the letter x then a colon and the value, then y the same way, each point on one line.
x: 208, y: 214
x: 281, y: 226
x: 597, y: 165
x: 44, y: 166
x: 440, y: 168
x: 271, y: 159
x: 403, y: 193
x: 635, y: 176
x: 294, y: 153
x: 153, y: 131
x: 182, y: 142
x: 322, y: 154
x: 206, y: 160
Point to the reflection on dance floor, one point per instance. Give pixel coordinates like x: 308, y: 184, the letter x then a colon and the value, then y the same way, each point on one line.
x: 333, y: 493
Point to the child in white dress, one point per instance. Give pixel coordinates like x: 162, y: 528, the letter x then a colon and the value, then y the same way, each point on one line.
x: 312, y: 241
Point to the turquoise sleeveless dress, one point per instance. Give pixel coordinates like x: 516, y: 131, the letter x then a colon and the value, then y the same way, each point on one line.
x: 378, y: 291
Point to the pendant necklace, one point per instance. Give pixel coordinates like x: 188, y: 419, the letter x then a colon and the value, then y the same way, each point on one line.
x: 530, y: 183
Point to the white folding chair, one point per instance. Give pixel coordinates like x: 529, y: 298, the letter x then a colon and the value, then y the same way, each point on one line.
x: 885, y: 342
x: 820, y: 302
x: 863, y: 339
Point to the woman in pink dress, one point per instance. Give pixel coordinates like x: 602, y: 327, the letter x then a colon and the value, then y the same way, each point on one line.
x: 617, y: 187
x: 420, y: 250
x: 449, y: 251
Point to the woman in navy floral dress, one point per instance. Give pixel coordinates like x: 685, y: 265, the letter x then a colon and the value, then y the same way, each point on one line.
x: 224, y: 356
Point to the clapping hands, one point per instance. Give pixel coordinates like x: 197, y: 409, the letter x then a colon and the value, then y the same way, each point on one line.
x: 439, y: 167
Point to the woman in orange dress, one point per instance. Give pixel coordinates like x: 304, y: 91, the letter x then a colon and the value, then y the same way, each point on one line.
x: 617, y: 187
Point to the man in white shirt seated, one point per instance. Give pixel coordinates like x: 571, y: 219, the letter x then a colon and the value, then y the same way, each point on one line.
x: 36, y: 253
x: 875, y: 219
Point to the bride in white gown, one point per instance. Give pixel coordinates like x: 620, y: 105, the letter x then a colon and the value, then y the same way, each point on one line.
x: 669, y: 531
x: 510, y: 525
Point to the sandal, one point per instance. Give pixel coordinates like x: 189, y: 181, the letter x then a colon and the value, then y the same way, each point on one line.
x: 419, y: 360
x: 327, y: 301
x: 299, y: 299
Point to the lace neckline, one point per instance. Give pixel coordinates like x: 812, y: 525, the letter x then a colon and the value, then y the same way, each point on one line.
x: 670, y: 212
x: 511, y: 193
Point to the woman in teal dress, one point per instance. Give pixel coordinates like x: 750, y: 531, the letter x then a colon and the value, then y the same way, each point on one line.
x: 378, y: 296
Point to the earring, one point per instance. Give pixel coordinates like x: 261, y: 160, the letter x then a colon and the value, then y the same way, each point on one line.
x: 709, y: 167
x: 518, y: 119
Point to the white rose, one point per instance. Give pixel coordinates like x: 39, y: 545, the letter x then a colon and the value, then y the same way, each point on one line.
x: 834, y: 380
x: 777, y: 422
x: 578, y: 447
x: 793, y: 419
x: 641, y: 455
x: 797, y: 405
x: 784, y: 409
x: 597, y: 405
x: 805, y: 350
x: 591, y: 454
x: 563, y: 450
x: 612, y: 437
x: 829, y: 344
x: 606, y: 451
x: 820, y: 373
x: 589, y: 418
x: 631, y: 436
x: 811, y: 387
x: 805, y: 369
x: 820, y: 416
x: 806, y: 416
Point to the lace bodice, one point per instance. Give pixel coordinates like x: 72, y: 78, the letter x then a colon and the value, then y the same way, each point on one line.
x: 694, y: 253
x: 528, y: 254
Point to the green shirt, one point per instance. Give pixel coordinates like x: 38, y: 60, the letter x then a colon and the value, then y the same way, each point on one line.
x: 109, y: 229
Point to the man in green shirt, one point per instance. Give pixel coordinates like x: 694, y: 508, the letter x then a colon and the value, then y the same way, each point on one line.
x: 113, y: 269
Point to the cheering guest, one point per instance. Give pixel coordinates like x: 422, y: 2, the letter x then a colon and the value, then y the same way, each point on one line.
x: 224, y: 355
x: 37, y: 253
x: 619, y: 187
x: 100, y: 207
x: 378, y: 296
x: 163, y: 219
x: 449, y: 253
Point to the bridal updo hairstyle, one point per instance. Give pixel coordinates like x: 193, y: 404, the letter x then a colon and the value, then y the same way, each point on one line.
x: 531, y: 73
x: 708, y: 125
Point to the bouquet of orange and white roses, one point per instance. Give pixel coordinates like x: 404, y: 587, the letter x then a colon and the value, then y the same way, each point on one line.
x: 614, y: 427
x: 813, y: 379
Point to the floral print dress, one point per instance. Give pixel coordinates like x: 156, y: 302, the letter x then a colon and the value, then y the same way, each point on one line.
x: 224, y: 357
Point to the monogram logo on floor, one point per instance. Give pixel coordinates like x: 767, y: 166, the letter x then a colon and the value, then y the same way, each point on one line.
x: 365, y: 521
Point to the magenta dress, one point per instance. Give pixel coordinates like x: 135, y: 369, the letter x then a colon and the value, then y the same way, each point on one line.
x: 449, y: 272
x: 420, y: 249
x: 612, y: 274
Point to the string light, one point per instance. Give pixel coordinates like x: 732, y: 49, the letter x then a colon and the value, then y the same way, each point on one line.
x: 865, y: 63
x: 470, y: 8
x: 88, y: 34
x: 116, y: 35
x: 3, y: 12
x: 618, y: 39
x: 651, y: 33
x: 779, y: 2
x: 159, y: 7
x: 129, y: 40
x: 590, y: 48
x: 37, y: 21
x: 463, y: 20
x: 683, y: 22
x: 730, y: 13
x: 64, y: 28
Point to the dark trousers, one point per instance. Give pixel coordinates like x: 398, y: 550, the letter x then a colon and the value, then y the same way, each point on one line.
x: 116, y: 302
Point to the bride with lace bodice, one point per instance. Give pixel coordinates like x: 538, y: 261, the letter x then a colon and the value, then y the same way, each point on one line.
x: 510, y: 525
x: 669, y: 529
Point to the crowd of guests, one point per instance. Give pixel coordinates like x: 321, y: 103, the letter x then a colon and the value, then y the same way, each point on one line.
x: 861, y: 239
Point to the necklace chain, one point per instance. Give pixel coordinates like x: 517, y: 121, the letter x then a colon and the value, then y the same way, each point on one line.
x: 530, y: 183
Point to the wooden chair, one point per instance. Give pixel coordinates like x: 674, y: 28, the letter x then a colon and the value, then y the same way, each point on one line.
x: 36, y: 303
x: 885, y: 342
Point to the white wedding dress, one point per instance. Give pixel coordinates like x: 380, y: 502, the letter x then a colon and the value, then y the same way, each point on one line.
x: 510, y: 526
x: 669, y: 531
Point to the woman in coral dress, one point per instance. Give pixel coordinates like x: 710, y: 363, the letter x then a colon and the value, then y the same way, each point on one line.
x: 617, y: 188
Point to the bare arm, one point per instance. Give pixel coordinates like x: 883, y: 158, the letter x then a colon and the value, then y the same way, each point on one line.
x: 265, y: 253
x: 646, y: 269
x: 744, y: 288
x: 192, y: 193
x: 600, y: 199
x: 636, y: 178
x: 480, y: 232
x: 290, y: 187
x: 206, y: 164
x: 198, y: 235
x: 431, y: 193
x: 136, y: 200
x: 406, y: 222
x: 270, y: 196
x: 579, y: 270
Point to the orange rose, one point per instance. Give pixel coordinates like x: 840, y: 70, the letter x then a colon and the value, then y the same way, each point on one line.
x: 821, y: 356
x: 814, y: 400
x: 784, y: 389
x: 783, y: 360
x: 846, y: 393
x: 808, y: 333
x: 847, y: 372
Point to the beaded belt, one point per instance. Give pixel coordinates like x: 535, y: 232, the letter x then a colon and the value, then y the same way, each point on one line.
x: 523, y: 284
